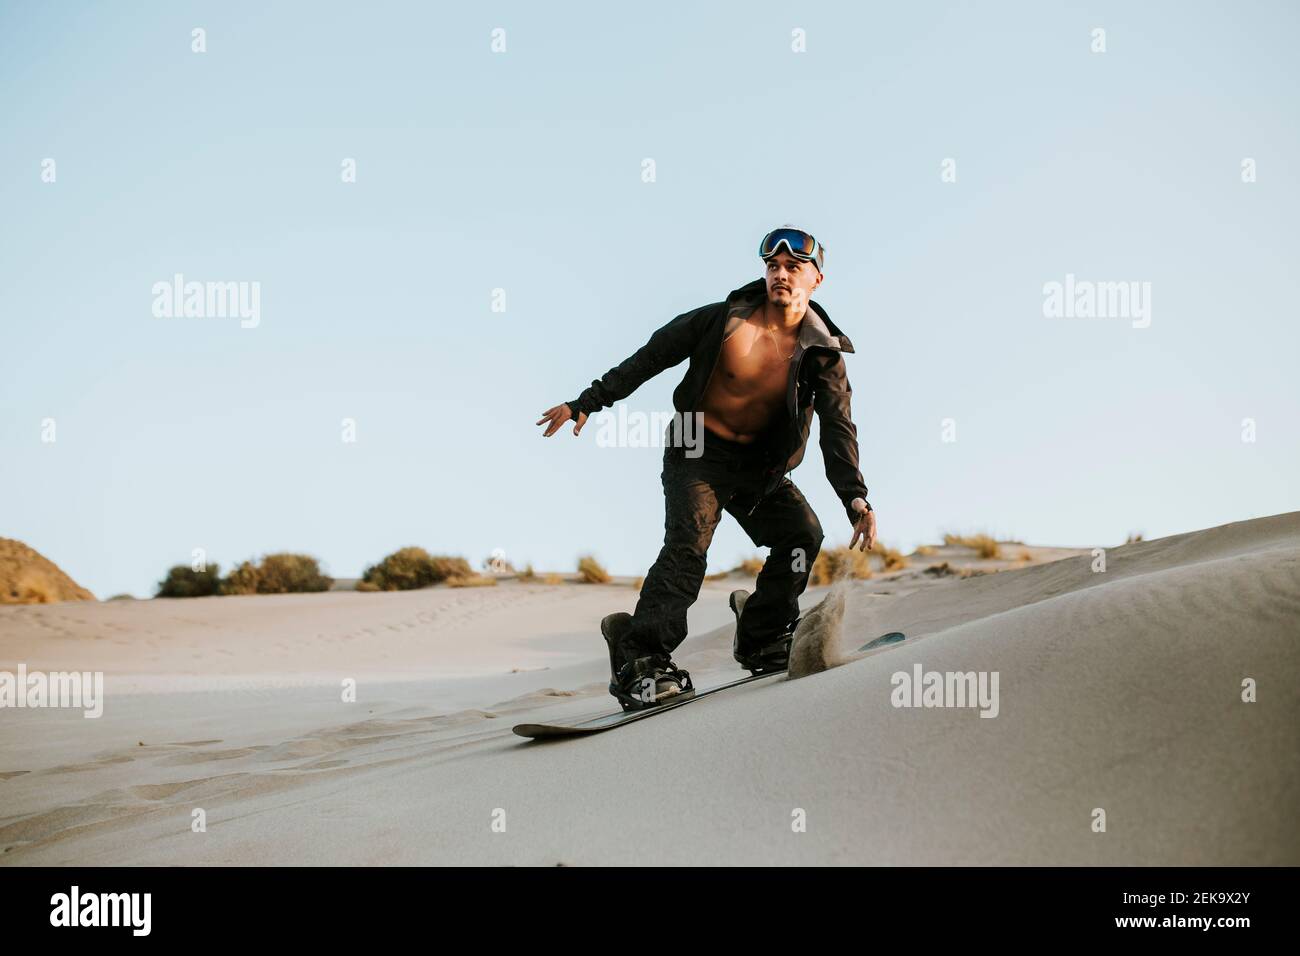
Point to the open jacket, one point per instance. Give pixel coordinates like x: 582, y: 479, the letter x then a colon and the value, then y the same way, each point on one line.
x: 817, y: 381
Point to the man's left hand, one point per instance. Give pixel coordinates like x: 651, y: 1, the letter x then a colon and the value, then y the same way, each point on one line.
x: 865, y: 527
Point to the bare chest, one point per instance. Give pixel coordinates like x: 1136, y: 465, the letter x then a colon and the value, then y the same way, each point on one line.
x: 756, y: 363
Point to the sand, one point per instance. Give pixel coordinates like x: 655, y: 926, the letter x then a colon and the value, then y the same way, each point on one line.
x: 27, y: 577
x: 1119, y: 691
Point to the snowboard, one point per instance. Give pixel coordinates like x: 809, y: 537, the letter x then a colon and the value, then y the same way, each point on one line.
x: 595, y: 725
x: 893, y: 637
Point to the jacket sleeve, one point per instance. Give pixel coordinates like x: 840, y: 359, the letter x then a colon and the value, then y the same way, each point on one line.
x: 839, y: 436
x: 667, y: 347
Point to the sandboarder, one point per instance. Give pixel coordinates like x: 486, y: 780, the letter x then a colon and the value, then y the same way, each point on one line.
x: 761, y: 362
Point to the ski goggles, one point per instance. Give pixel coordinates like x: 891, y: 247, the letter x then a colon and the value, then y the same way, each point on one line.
x: 797, y: 242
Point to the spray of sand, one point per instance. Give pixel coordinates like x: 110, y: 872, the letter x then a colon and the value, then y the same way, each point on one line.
x: 816, y: 644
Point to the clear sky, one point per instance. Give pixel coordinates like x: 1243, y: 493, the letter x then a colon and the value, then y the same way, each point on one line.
x: 522, y: 170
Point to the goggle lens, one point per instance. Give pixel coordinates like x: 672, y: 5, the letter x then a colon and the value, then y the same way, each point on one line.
x: 800, y: 243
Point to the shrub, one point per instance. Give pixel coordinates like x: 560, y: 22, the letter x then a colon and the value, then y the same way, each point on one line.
x: 553, y: 579
x: 835, y: 563
x: 291, y: 573
x: 410, y: 568
x: 891, y: 559
x: 750, y: 566
x: 242, y: 580
x: 281, y: 573
x: 527, y: 574
x: 471, y: 581
x: 591, y: 570
x: 183, y: 581
x: 985, y: 545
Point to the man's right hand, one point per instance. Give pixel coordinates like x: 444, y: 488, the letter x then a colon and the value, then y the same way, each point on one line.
x: 557, y: 416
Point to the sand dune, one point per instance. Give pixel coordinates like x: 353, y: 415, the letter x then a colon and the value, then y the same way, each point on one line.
x: 1119, y: 691
x: 27, y: 577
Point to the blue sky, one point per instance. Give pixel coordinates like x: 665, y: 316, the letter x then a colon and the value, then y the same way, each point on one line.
x: 522, y: 171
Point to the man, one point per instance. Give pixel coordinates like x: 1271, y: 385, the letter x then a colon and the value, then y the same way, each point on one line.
x: 760, y: 363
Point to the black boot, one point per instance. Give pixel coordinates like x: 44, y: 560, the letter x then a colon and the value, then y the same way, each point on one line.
x: 639, y: 680
x: 771, y: 657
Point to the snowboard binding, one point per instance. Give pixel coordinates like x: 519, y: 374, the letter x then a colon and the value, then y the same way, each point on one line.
x: 640, y: 681
x: 772, y: 657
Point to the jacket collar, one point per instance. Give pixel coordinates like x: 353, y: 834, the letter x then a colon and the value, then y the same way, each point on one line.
x: 817, y: 329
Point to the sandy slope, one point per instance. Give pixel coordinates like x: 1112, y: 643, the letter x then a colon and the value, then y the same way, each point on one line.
x: 27, y: 577
x: 1118, y: 690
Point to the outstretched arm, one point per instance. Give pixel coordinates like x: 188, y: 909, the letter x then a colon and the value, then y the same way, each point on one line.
x: 667, y: 347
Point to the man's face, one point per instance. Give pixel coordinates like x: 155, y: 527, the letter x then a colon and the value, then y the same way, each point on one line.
x: 791, y: 280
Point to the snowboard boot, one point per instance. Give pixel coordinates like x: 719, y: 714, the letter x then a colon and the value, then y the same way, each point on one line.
x: 768, y: 659
x: 639, y: 680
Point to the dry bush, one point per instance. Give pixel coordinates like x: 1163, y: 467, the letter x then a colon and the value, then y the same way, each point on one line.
x: 409, y: 569
x: 985, y: 545
x: 926, y: 550
x: 749, y: 566
x: 946, y: 570
x: 891, y: 559
x: 471, y: 581
x: 242, y: 580
x: 527, y: 574
x: 183, y: 581
x: 553, y: 578
x: 591, y: 570
x: 281, y: 573
x: 834, y: 563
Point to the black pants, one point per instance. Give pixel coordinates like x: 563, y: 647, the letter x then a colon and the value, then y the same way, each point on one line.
x: 727, y: 476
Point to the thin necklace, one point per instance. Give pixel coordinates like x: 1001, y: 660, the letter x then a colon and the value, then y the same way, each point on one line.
x: 773, y: 334
x: 792, y: 351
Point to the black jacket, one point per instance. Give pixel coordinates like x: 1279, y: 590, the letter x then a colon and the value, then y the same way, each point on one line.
x: 817, y: 381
